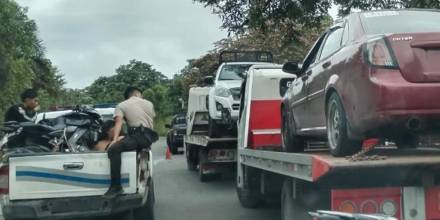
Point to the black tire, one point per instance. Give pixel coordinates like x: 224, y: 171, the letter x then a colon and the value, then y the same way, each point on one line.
x: 174, y: 149
x: 249, y: 195
x: 191, y: 165
x: 337, y: 129
x: 146, y: 212
x: 169, y: 139
x: 213, y: 128
x: 290, y: 141
x: 203, y: 159
x: 407, y: 141
x: 191, y: 162
x: 291, y: 208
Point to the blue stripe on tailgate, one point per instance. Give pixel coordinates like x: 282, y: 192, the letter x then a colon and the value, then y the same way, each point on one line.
x: 68, y: 178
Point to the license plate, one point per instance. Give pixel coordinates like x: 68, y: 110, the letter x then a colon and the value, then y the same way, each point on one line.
x: 429, y: 140
x: 222, y: 155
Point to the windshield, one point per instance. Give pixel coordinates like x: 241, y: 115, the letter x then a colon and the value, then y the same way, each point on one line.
x: 383, y: 22
x: 180, y: 120
x: 233, y: 72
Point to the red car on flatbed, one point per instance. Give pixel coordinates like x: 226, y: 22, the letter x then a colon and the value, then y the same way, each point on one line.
x: 372, y: 74
x: 402, y: 184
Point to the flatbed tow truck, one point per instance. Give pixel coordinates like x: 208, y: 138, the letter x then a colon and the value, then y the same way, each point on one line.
x: 210, y: 156
x: 380, y: 179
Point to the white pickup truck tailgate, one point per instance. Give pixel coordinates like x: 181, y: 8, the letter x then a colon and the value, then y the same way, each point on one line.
x: 67, y: 175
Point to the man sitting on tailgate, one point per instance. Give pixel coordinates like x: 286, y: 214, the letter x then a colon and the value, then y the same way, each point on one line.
x: 139, y: 114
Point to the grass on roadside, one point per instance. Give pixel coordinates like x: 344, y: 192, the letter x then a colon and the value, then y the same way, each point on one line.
x: 160, y: 123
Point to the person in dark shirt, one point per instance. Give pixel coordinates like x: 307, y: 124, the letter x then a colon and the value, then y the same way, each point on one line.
x: 27, y: 110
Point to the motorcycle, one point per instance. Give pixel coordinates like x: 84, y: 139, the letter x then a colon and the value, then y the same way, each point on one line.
x: 73, y: 132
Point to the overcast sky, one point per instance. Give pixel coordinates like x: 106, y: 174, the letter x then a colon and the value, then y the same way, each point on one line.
x: 86, y: 39
x: 90, y: 38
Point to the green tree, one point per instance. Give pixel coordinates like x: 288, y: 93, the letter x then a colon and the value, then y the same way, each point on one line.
x: 348, y: 5
x: 162, y: 92
x: 22, y: 61
x: 176, y: 94
x: 135, y: 73
x: 273, y: 39
x: 240, y: 16
x: 158, y: 95
x: 196, y: 69
x: 74, y: 97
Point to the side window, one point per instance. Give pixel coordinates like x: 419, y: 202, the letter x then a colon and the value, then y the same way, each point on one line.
x: 313, y: 53
x: 346, y: 35
x: 332, y: 43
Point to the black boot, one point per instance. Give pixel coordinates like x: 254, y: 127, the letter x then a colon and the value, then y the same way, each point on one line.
x: 113, y: 191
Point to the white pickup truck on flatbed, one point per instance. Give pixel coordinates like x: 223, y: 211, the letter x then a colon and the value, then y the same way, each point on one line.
x: 212, y: 156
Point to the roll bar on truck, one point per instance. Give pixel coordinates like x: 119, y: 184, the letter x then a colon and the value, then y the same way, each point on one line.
x: 403, y: 184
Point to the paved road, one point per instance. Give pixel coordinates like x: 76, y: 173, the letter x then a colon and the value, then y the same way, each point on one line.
x: 181, y: 196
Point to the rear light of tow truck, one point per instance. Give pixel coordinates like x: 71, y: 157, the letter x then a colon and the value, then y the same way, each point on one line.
x: 389, y: 207
x: 368, y: 201
x: 4, y: 180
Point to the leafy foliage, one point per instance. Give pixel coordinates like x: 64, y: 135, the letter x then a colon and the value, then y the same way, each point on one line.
x: 136, y: 73
x: 273, y: 39
x: 239, y: 16
x: 348, y: 5
x: 22, y: 61
x: 196, y: 69
x: 162, y: 92
x: 286, y: 28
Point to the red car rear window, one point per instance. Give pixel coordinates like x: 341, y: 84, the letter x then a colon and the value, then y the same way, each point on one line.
x: 410, y: 21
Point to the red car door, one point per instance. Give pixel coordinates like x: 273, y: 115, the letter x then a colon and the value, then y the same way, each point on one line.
x: 297, y: 94
x: 323, y: 68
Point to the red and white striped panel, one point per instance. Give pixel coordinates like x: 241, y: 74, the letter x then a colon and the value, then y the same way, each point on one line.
x: 265, y: 118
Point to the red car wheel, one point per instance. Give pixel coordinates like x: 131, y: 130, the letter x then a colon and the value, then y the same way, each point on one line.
x: 338, y: 140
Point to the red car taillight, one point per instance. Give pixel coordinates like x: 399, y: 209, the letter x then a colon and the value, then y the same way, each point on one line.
x: 4, y: 180
x: 378, y: 53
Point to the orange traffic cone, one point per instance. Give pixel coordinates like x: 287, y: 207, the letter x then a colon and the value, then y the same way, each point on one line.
x: 168, y: 154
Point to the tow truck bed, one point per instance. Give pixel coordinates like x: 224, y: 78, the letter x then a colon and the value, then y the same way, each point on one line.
x: 212, y: 155
x: 408, y: 166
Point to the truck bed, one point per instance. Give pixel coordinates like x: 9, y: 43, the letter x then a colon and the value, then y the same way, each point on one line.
x: 411, y: 167
x: 67, y: 175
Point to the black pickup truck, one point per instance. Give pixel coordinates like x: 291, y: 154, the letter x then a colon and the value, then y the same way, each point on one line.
x: 177, y: 129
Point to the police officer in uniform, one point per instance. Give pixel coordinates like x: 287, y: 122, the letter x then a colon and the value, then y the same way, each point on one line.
x: 138, y: 114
